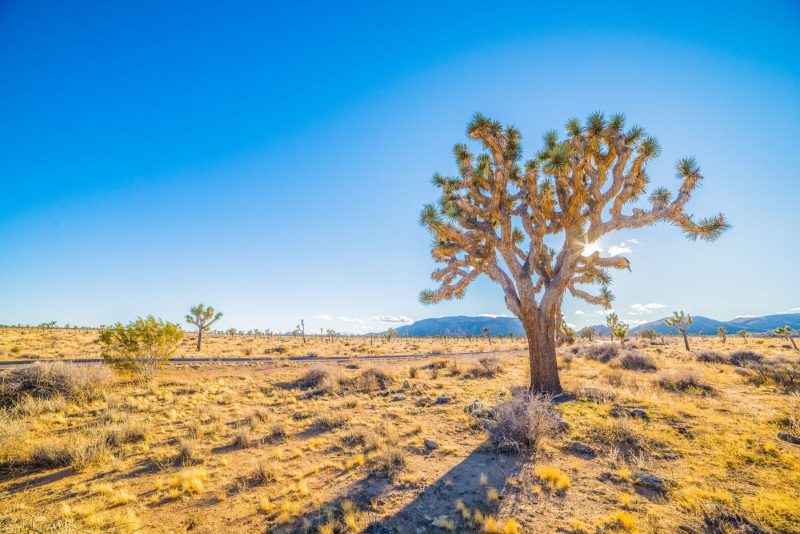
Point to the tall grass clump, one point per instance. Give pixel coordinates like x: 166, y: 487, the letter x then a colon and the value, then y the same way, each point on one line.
x: 51, y: 380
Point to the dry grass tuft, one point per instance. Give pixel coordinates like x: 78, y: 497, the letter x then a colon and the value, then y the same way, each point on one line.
x: 684, y: 381
x: 486, y: 368
x: 49, y: 380
x: 553, y: 477
x: 636, y: 361
x: 521, y: 423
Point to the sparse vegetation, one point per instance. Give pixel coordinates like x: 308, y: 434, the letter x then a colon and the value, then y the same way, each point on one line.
x: 206, y: 441
x: 141, y: 346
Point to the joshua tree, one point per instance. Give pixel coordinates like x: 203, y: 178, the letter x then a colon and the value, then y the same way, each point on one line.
x: 486, y: 335
x: 786, y: 333
x: 743, y: 335
x: 648, y: 333
x: 680, y: 321
x: 588, y: 333
x: 611, y: 321
x: 202, y: 317
x: 499, y: 218
x: 723, y: 333
x: 300, y: 330
x: 620, y: 331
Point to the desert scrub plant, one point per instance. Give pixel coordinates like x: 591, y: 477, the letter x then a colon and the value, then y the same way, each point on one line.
x: 332, y: 421
x: 620, y: 437
x: 141, y: 346
x: 486, y: 368
x: 368, y: 380
x: 636, y: 361
x: 49, y: 380
x: 602, y: 352
x: 781, y: 373
x: 389, y: 459
x: 265, y: 472
x: 710, y: 356
x: 187, y: 452
x: 522, y: 421
x: 318, y: 378
x: 743, y: 358
x: 684, y: 381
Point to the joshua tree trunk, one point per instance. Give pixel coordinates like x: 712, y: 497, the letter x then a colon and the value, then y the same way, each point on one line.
x: 540, y: 331
x: 199, y: 338
x: 685, y: 340
x: 791, y: 340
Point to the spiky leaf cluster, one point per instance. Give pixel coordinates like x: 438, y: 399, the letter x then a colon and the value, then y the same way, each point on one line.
x: 495, y: 216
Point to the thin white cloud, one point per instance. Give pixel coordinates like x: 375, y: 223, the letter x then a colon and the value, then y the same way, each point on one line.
x: 616, y: 250
x: 743, y: 316
x: 641, y: 309
x: 579, y: 312
x: 604, y: 312
x: 492, y: 315
x: 634, y: 322
x: 622, y: 248
x: 392, y: 319
x: 324, y: 317
x: 353, y: 320
x: 791, y: 310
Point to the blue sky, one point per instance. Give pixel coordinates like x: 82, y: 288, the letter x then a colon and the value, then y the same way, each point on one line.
x: 272, y: 160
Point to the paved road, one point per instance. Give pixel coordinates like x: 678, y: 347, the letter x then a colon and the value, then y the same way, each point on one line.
x: 7, y: 364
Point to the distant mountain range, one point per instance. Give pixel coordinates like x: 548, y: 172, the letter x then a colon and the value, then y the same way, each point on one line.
x: 461, y: 325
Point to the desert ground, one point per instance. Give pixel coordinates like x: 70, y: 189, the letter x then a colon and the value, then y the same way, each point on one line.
x: 651, y: 439
x: 59, y: 343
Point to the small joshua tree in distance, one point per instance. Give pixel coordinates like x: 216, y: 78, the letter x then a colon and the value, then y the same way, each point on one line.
x: 682, y: 322
x: 742, y: 334
x: 202, y: 317
x: 588, y: 332
x: 723, y: 333
x: 649, y: 334
x: 786, y: 333
x: 611, y: 321
x: 141, y: 346
x: 620, y: 331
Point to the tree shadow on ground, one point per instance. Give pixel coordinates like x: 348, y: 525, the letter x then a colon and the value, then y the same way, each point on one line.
x: 462, y: 481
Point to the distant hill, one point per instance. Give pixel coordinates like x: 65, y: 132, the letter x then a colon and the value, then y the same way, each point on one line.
x: 461, y: 325
x: 756, y: 325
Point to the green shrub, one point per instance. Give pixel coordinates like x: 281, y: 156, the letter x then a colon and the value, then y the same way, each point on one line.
x: 141, y: 346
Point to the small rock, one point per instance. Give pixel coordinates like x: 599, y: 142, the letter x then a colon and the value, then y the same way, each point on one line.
x: 791, y: 438
x: 562, y: 425
x: 424, y: 401
x: 649, y: 481
x: 406, y: 385
x: 639, y: 412
x: 444, y: 399
x: 398, y: 398
x: 580, y: 447
x: 431, y: 445
x: 618, y: 411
